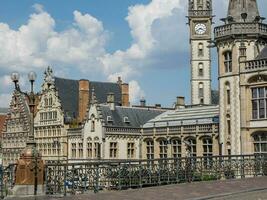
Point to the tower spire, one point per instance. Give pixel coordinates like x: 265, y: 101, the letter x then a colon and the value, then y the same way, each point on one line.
x: 237, y: 7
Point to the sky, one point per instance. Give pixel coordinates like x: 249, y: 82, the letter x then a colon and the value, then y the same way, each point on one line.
x: 146, y: 42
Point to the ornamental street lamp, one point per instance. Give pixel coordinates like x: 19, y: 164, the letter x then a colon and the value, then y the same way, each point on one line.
x: 30, y: 143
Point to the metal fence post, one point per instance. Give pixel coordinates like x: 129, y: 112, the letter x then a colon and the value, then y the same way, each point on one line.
x: 65, y: 180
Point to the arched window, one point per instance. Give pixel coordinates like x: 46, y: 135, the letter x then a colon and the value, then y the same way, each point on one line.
x: 260, y: 143
x: 50, y: 101
x: 201, y: 92
x: 228, y: 61
x: 176, y: 148
x: 89, y: 148
x: 92, y: 123
x: 228, y: 93
x: 46, y: 101
x: 200, y: 49
x: 192, y: 147
x: 228, y: 123
x: 163, y: 148
x: 207, y: 147
x: 150, y: 149
x: 200, y: 69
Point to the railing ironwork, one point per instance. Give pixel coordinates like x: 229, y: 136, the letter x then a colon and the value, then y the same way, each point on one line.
x: 7, y: 179
x: 72, y: 178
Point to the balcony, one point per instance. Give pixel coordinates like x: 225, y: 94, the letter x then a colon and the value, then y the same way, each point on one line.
x: 200, y: 13
x: 239, y: 29
x: 255, y: 65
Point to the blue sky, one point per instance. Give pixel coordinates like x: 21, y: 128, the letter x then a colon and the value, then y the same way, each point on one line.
x: 144, y: 41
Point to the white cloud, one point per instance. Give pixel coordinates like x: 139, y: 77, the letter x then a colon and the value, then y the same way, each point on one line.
x: 135, y: 91
x: 5, y: 100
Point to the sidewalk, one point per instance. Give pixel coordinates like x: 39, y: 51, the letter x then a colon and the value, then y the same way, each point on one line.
x: 227, y: 189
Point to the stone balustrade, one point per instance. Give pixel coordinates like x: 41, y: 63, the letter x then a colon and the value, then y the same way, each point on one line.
x: 197, y: 13
x: 255, y: 65
x: 240, y: 28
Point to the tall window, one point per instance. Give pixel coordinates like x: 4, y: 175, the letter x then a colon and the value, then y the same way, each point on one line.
x: 259, y: 103
x: 89, y: 149
x: 192, y: 147
x: 130, y: 150
x: 228, y: 61
x: 228, y: 93
x: 228, y: 121
x: 150, y: 149
x: 97, y: 150
x: 80, y: 150
x: 200, y: 69
x: 201, y: 93
x: 113, y: 149
x: 176, y: 148
x: 163, y: 148
x: 92, y: 123
x: 200, y: 50
x: 260, y: 143
x: 73, y: 150
x: 207, y: 147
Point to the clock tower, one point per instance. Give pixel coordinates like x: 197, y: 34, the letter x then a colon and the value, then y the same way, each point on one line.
x: 200, y: 21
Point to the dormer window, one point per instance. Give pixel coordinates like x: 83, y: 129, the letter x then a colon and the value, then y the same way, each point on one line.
x: 126, y: 120
x: 109, y: 119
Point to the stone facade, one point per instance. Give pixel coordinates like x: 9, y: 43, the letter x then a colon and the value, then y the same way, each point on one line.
x: 110, y: 132
x: 239, y: 41
x: 186, y: 131
x: 16, y: 128
x: 49, y: 127
x: 200, y: 21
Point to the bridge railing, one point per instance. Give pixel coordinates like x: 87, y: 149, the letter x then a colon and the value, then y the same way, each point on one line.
x: 79, y: 177
x: 7, y: 179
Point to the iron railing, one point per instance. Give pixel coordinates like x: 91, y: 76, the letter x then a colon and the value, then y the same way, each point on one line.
x: 7, y: 179
x: 72, y: 178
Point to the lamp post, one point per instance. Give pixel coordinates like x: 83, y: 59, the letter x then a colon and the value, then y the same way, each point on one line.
x: 30, y: 143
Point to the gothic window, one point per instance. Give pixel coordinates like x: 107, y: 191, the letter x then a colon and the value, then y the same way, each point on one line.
x: 89, y: 149
x: 130, y: 150
x: 200, y: 90
x: 97, y: 150
x: 176, y: 148
x: 80, y: 150
x: 92, y: 123
x: 150, y: 149
x: 228, y: 93
x: 192, y: 147
x: 163, y: 148
x: 259, y: 103
x: 113, y: 149
x: 228, y: 121
x: 50, y: 101
x: 228, y: 61
x: 260, y: 143
x: 200, y: 69
x: 73, y: 150
x: 200, y: 50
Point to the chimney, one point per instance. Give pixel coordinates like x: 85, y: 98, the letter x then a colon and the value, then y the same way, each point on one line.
x: 124, y: 92
x: 83, y: 98
x: 180, y: 102
x: 143, y: 102
x: 111, y: 101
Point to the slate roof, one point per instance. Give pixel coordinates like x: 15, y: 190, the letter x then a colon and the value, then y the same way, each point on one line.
x: 68, y: 91
x: 137, y: 116
x: 263, y: 54
x: 186, y: 116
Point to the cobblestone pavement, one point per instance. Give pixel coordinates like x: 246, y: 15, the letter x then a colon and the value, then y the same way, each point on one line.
x: 243, y: 189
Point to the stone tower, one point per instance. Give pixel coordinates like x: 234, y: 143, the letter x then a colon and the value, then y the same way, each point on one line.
x: 200, y: 21
x: 240, y: 39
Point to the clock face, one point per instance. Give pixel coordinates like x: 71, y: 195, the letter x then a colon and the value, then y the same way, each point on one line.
x: 200, y: 29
